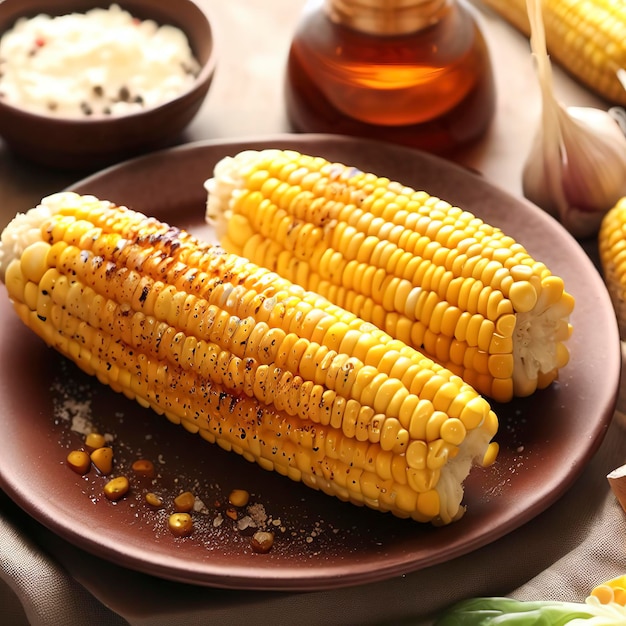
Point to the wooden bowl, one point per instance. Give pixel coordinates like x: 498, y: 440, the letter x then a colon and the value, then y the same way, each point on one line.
x: 91, y: 142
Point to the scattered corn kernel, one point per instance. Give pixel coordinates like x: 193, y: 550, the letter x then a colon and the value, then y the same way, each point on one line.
x: 117, y: 488
x: 153, y: 500
x: 180, y: 524
x: 79, y: 461
x: 102, y: 458
x: 183, y: 502
x: 93, y: 441
x: 262, y: 541
x: 231, y: 513
x: 143, y: 467
x: 239, y: 497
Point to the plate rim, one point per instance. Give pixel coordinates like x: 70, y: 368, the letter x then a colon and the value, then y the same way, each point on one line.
x: 313, y: 581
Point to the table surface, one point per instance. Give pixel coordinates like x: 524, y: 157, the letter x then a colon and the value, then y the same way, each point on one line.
x: 245, y: 100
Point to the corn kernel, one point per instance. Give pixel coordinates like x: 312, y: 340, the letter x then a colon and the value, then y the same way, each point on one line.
x: 79, y: 461
x: 117, y: 488
x: 102, y: 458
x: 428, y: 503
x: 491, y: 454
x: 154, y: 500
x: 239, y: 497
x: 94, y: 441
x: 180, y: 524
x: 143, y: 467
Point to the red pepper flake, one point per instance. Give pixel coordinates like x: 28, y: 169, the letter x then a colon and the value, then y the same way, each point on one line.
x: 40, y: 42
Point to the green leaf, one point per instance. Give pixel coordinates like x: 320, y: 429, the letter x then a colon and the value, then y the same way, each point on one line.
x: 509, y: 612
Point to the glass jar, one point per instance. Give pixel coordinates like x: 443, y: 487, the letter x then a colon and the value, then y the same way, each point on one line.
x: 414, y: 72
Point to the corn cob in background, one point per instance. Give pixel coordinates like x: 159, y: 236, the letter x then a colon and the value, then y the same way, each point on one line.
x: 245, y: 358
x: 612, y: 251
x: 429, y: 274
x: 585, y: 38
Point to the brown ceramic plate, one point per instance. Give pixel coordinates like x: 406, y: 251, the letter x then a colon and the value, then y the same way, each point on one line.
x: 546, y: 440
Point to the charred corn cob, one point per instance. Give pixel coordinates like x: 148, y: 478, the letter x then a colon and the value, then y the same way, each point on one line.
x: 430, y: 274
x: 245, y: 358
x: 612, y: 251
x: 585, y: 38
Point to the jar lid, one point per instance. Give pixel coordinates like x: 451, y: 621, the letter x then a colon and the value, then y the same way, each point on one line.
x: 385, y: 17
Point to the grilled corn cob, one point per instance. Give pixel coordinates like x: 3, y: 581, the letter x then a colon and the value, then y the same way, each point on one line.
x: 245, y: 358
x: 428, y: 273
x: 612, y: 251
x: 585, y: 38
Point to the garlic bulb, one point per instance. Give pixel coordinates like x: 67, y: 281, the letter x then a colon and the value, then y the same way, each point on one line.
x: 576, y: 170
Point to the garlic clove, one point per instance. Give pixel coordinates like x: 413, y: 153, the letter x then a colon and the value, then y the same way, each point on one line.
x: 576, y: 168
x: 580, y: 180
x: 595, y: 148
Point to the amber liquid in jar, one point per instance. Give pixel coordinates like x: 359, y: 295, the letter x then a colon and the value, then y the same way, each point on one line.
x: 431, y: 88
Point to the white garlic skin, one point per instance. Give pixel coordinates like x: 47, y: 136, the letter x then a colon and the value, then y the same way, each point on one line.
x: 577, y: 172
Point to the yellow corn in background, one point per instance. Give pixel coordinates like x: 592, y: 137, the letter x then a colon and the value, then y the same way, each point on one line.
x: 250, y: 361
x: 586, y: 37
x: 612, y: 250
x: 430, y: 274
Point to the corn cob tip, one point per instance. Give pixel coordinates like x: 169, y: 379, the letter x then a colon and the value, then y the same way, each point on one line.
x: 24, y: 229
x: 228, y: 177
